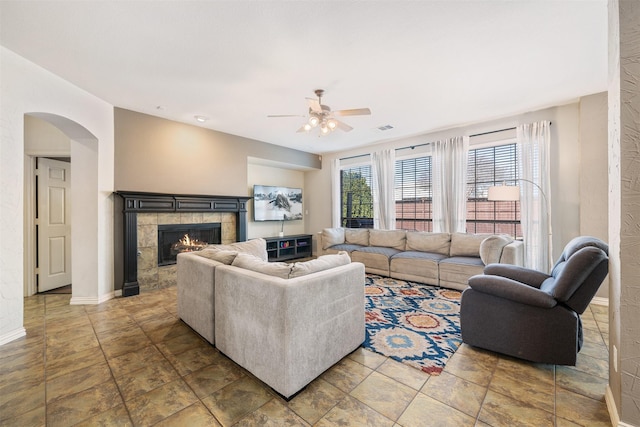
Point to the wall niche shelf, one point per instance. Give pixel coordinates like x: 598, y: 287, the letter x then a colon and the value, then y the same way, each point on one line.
x: 288, y: 247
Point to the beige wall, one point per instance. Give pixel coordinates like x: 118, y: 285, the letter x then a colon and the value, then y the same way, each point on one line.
x: 42, y: 138
x: 593, y: 173
x: 162, y: 156
x: 267, y: 175
x: 593, y: 169
x: 158, y: 155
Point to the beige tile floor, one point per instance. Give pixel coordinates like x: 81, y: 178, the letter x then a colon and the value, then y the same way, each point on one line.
x: 131, y: 361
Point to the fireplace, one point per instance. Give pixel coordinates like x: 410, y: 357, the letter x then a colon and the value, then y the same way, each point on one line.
x: 143, y: 213
x: 176, y: 238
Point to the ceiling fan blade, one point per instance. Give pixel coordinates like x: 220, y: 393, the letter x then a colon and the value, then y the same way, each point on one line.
x: 285, y: 115
x: 353, y: 112
x: 314, y: 105
x: 343, y: 126
x: 302, y: 129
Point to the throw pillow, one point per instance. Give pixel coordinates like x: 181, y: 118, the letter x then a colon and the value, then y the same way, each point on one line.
x: 324, y: 262
x: 332, y: 236
x: 257, y: 247
x: 424, y: 241
x: 254, y: 263
x: 388, y: 238
x: 357, y: 236
x: 491, y: 248
x: 464, y: 244
x: 225, y: 257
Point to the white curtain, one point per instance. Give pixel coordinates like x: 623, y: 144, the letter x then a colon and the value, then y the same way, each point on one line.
x: 383, y: 165
x: 533, y: 141
x: 450, y: 185
x: 336, y: 220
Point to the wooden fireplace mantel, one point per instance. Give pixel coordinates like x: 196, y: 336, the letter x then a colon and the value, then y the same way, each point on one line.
x: 139, y: 202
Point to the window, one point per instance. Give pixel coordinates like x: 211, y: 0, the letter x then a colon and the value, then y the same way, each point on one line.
x: 357, y: 200
x: 413, y: 194
x: 489, y: 166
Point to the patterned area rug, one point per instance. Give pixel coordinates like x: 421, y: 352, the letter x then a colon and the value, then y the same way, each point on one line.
x: 413, y: 323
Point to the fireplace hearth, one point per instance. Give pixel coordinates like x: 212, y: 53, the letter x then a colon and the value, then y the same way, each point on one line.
x: 176, y: 238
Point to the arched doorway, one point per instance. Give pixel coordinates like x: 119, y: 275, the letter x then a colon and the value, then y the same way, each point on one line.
x: 83, y: 151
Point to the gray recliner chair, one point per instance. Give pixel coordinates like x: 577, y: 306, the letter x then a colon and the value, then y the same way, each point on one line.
x: 532, y: 315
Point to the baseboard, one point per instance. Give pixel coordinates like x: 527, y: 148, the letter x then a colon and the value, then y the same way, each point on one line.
x: 600, y: 301
x: 106, y: 297
x: 117, y: 293
x: 611, y: 406
x: 13, y: 335
x: 613, y: 411
x: 91, y: 300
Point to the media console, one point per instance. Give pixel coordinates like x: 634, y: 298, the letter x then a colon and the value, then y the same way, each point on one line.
x: 288, y: 247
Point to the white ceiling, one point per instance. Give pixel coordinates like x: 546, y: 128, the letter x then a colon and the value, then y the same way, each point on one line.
x: 419, y: 65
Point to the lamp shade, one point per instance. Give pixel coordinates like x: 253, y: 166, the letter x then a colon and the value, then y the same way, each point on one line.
x: 504, y: 193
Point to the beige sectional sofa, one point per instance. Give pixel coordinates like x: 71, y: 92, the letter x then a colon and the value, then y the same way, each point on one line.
x: 440, y: 259
x: 286, y: 323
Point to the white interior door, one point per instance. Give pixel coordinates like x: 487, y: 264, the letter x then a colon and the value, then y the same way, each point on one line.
x: 53, y: 222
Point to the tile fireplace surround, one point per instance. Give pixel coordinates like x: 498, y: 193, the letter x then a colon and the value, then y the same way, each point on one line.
x: 143, y: 212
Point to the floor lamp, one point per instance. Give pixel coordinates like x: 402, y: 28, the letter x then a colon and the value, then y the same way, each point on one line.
x: 512, y: 193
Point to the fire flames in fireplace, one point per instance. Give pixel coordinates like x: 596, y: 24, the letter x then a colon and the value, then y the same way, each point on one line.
x: 176, y: 238
x: 186, y: 244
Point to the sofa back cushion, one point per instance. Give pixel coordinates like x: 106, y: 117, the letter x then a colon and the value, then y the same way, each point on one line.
x: 256, y: 247
x: 254, y: 263
x: 423, y: 241
x: 324, y: 262
x: 357, y: 236
x: 492, y: 246
x: 464, y: 244
x: 223, y: 256
x: 332, y: 236
x: 396, y: 239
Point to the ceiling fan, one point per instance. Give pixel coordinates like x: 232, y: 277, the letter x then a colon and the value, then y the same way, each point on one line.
x: 321, y: 116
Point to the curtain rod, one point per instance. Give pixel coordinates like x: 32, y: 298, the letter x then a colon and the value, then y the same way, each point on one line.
x: 354, y: 157
x: 496, y: 131
x: 491, y: 131
x: 427, y: 143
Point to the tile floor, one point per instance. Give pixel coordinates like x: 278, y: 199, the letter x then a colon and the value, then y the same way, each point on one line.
x: 131, y: 361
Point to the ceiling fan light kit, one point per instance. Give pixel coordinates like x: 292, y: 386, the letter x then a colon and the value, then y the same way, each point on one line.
x: 321, y: 116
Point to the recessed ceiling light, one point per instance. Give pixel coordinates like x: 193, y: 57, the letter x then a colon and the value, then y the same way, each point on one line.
x: 201, y: 119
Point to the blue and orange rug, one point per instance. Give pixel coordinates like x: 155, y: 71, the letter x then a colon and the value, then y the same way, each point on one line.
x: 412, y: 323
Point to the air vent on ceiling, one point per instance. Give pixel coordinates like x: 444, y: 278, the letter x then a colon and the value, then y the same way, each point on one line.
x: 384, y: 128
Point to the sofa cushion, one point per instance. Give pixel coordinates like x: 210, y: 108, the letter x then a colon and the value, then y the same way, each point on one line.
x: 418, y: 255
x: 324, y: 262
x: 346, y: 247
x: 455, y: 272
x: 388, y: 252
x: 357, y: 236
x: 464, y: 244
x: 225, y: 257
x: 332, y: 236
x: 416, y: 265
x: 423, y: 241
x: 491, y: 248
x: 257, y: 247
x: 374, y: 258
x: 254, y: 263
x: 388, y: 238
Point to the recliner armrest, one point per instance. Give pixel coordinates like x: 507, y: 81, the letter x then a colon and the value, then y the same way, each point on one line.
x: 520, y: 274
x: 512, y: 290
